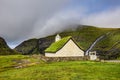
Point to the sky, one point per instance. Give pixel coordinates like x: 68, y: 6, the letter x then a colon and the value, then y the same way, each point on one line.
x: 24, y: 19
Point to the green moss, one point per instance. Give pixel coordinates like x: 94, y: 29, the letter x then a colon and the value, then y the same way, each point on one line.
x: 57, y: 45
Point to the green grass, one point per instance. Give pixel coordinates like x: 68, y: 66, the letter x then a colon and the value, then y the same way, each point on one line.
x: 10, y: 61
x: 71, y: 70
x: 57, y: 45
x: 118, y: 58
x: 7, y: 62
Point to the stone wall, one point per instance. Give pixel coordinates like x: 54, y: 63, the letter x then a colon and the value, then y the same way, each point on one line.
x: 58, y: 59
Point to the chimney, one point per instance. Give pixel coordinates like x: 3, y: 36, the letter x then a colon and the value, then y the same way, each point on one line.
x: 57, y: 38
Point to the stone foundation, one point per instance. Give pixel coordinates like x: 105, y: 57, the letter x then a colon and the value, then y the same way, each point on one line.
x: 58, y: 59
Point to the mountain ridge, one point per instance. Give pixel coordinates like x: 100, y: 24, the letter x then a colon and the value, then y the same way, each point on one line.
x: 84, y: 36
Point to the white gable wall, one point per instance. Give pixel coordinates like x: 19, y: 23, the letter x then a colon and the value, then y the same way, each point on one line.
x: 69, y: 50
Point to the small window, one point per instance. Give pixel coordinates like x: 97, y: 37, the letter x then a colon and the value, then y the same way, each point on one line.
x: 92, y: 53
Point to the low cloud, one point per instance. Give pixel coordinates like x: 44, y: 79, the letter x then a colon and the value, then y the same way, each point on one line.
x: 24, y: 19
x: 109, y: 18
x: 70, y: 18
x: 59, y: 22
x: 18, y: 18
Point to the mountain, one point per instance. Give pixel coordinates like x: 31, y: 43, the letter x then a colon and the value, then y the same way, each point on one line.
x: 107, y: 48
x: 28, y: 47
x: 34, y: 46
x: 4, y: 49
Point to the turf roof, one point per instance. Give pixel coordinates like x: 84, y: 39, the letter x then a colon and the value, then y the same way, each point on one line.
x: 57, y: 45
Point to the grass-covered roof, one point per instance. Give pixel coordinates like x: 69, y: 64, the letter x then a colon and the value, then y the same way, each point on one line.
x: 57, y: 45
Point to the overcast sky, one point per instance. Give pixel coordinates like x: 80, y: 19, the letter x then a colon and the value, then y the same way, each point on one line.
x: 24, y: 19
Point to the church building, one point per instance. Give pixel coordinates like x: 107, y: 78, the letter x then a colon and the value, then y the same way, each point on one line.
x: 65, y: 47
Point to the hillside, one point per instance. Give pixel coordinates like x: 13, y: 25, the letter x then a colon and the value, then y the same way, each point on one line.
x: 85, y: 36
x: 34, y: 46
x: 4, y: 49
x: 28, y: 47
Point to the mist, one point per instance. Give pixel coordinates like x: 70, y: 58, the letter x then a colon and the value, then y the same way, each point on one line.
x: 18, y: 18
x: 24, y: 19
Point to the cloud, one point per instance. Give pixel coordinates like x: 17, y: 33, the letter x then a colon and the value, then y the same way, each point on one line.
x: 70, y: 18
x: 18, y: 18
x: 60, y: 21
x: 109, y: 18
x: 24, y: 19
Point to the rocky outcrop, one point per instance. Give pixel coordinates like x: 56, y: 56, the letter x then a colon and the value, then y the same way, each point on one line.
x: 34, y: 46
x: 28, y: 47
x: 4, y: 48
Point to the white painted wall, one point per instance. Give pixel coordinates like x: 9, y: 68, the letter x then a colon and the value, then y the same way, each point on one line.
x: 69, y: 50
x: 93, y: 55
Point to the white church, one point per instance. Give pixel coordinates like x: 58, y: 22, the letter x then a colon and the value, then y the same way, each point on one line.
x: 66, y: 47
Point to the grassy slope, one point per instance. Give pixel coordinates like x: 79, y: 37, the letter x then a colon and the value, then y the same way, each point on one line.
x: 108, y: 47
x: 71, y: 70
x: 87, y: 35
x: 110, y: 41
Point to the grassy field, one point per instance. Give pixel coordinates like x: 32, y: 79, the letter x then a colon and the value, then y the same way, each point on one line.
x: 71, y: 70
